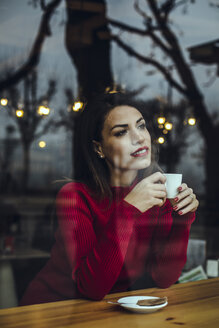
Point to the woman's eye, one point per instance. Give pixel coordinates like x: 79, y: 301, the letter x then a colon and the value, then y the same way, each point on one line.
x: 120, y: 133
x: 142, y: 126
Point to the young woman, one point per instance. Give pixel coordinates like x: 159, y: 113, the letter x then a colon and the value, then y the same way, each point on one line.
x: 116, y: 229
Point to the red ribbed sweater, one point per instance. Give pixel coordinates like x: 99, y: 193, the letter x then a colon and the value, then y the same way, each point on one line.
x: 104, y: 247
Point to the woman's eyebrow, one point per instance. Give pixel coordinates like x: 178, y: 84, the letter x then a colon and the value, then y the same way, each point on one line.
x: 119, y: 126
x: 140, y: 119
x: 125, y: 125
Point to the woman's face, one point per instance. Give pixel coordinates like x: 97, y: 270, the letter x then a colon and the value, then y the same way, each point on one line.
x: 126, y: 143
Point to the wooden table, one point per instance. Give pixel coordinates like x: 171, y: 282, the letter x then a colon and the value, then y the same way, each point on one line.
x: 193, y: 304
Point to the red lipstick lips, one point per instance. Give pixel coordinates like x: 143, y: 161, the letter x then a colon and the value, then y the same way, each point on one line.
x: 140, y: 152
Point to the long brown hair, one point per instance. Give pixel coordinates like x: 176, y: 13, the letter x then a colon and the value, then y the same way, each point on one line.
x: 88, y: 167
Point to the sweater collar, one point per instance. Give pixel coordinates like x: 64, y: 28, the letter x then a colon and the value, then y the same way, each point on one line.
x: 121, y: 191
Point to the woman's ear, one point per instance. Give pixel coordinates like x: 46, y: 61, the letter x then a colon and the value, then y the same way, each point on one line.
x: 98, y: 148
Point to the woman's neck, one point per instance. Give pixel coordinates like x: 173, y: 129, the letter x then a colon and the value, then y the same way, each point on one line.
x: 123, y: 179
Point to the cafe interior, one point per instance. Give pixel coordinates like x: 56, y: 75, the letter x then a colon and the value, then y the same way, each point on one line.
x: 55, y: 55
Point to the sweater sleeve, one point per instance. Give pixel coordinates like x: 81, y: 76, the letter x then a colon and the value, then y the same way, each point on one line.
x: 95, y: 262
x: 169, y: 246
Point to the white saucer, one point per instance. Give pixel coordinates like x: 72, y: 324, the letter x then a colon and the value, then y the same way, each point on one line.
x: 130, y: 303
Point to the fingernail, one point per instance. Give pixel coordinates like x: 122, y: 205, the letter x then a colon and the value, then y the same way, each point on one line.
x: 176, y: 199
x: 175, y: 208
x: 180, y: 212
x: 180, y: 188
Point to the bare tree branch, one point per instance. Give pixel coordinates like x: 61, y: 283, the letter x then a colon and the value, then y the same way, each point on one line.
x: 146, y: 17
x: 152, y: 62
x: 212, y: 4
x: 129, y: 28
x: 166, y: 8
x: 34, y: 57
x: 184, y: 72
x: 42, y: 4
x: 141, y: 32
x: 49, y: 92
x: 161, y: 21
x: 45, y: 129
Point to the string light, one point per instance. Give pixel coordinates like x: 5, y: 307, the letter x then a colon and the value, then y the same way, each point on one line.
x: 191, y: 121
x: 77, y: 106
x: 111, y: 91
x: 115, y: 88
x: 4, y: 101
x: 161, y: 120
x: 165, y: 131
x: 43, y: 110
x: 168, y: 126
x: 42, y: 144
x: 19, y: 113
x: 161, y: 140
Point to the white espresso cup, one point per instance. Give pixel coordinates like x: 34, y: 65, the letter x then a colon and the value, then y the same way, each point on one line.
x: 172, y: 184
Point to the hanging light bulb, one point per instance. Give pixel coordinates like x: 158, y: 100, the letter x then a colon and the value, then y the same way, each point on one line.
x: 77, y: 106
x: 4, y: 101
x: 161, y: 140
x: 192, y: 121
x: 19, y: 113
x: 168, y: 126
x: 42, y: 144
x: 114, y: 89
x: 161, y: 120
x: 43, y: 110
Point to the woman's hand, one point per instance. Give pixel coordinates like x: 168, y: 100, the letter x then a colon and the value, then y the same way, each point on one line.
x: 185, y: 201
x: 148, y: 192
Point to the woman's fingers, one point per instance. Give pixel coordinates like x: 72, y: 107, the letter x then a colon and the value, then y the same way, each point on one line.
x: 156, y: 178
x: 159, y: 201
x: 148, y: 192
x: 159, y: 186
x: 186, y: 200
x: 159, y: 193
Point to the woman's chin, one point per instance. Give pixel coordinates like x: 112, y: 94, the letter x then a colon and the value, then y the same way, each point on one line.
x: 145, y: 164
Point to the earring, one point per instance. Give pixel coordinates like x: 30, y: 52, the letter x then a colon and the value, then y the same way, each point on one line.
x: 101, y: 156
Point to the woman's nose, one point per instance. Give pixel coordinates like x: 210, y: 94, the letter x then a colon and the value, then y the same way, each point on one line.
x: 137, y: 137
